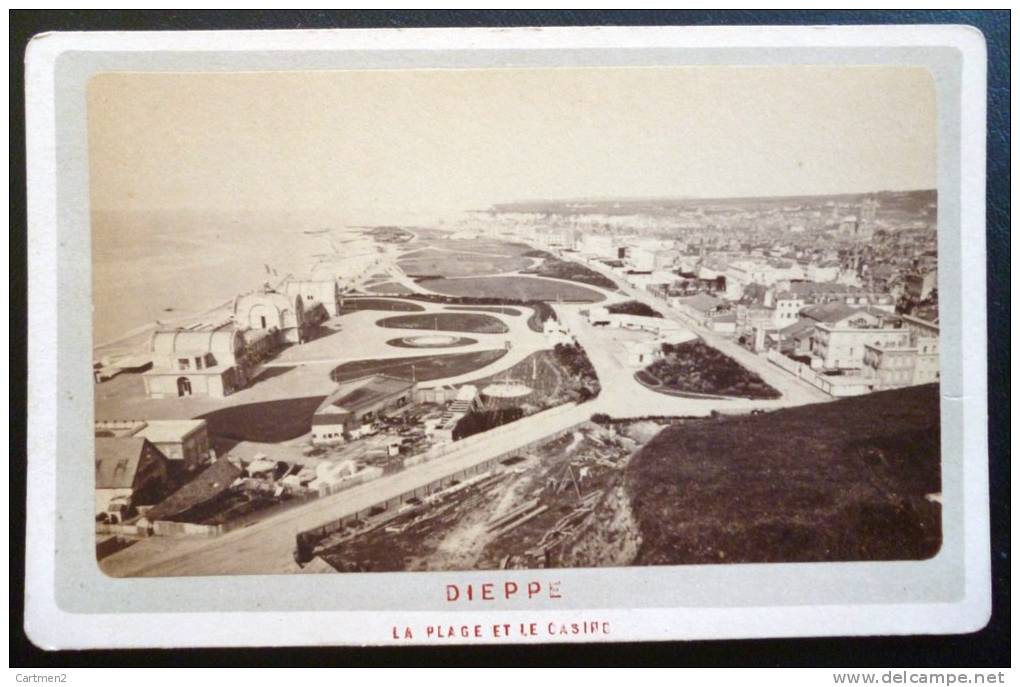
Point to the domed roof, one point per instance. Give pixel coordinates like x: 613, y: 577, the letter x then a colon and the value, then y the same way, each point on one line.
x: 197, y: 339
x: 275, y: 299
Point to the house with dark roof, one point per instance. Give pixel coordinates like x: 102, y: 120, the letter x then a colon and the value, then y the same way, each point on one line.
x: 130, y: 472
x: 841, y: 315
x: 700, y: 307
x: 209, y: 484
x: 795, y: 339
x: 184, y: 443
x: 831, y: 292
x: 723, y: 323
x: 357, y: 402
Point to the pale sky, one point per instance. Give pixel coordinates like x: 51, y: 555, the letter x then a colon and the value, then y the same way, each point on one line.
x: 363, y: 146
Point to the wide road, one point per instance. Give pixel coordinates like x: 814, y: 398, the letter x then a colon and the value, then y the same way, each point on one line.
x: 795, y: 391
x: 623, y: 396
x: 267, y: 547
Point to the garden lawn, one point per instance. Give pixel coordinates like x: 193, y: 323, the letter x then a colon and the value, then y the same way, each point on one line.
x: 355, y: 304
x: 484, y: 308
x: 447, y: 321
x: 421, y: 368
x: 518, y: 288
x: 389, y: 287
x: 482, y: 247
x: 450, y: 264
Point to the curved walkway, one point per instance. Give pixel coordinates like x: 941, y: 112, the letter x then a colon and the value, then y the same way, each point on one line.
x: 358, y: 337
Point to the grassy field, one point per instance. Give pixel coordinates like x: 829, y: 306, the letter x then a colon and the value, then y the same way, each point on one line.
x: 565, y: 269
x: 355, y: 304
x: 485, y: 308
x: 421, y: 368
x: 486, y: 246
x: 840, y: 481
x: 695, y: 367
x: 389, y: 287
x: 540, y: 310
x: 519, y: 288
x: 451, y: 264
x: 447, y: 321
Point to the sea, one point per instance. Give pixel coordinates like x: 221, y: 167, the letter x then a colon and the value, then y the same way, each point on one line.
x: 172, y: 265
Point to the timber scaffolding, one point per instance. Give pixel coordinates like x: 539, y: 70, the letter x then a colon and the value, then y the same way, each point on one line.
x: 566, y: 530
x: 515, y: 518
x: 308, y: 541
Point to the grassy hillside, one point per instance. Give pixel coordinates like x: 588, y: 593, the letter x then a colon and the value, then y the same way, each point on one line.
x: 839, y: 481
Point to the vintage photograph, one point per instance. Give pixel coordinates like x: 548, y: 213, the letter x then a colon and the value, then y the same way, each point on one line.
x: 496, y: 319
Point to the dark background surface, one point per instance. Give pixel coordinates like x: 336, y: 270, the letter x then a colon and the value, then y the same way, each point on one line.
x: 989, y: 647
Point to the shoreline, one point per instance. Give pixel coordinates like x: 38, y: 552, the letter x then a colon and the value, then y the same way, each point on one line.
x: 151, y: 326
x: 131, y: 339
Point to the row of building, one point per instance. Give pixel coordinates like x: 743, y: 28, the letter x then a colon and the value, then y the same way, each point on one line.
x: 139, y: 461
x: 846, y: 331
x: 217, y: 358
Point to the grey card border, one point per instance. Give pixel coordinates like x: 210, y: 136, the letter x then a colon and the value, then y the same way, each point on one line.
x: 949, y: 592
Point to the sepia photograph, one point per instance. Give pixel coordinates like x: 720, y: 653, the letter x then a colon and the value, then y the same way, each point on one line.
x: 449, y: 336
x: 359, y: 321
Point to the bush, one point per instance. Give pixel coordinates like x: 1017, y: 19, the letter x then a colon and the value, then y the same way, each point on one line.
x: 696, y: 367
x: 633, y: 308
x: 571, y: 271
x: 483, y: 420
x: 573, y: 358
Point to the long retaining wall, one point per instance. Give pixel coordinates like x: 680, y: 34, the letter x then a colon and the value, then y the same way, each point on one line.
x: 307, y: 539
x: 130, y: 530
x: 834, y: 386
x: 167, y: 528
x: 366, y: 475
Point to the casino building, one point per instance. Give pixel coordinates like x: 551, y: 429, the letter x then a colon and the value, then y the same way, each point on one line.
x: 220, y: 357
x: 270, y: 310
x: 205, y: 359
